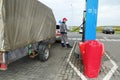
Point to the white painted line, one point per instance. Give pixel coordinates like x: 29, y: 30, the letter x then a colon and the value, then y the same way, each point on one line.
x: 69, y: 38
x: 108, y: 39
x: 102, y: 39
x: 79, y: 39
x: 77, y: 71
x: 72, y: 66
x: 105, y: 37
x: 74, y: 38
x: 118, y: 39
x: 113, y: 39
x: 112, y: 71
x: 71, y: 52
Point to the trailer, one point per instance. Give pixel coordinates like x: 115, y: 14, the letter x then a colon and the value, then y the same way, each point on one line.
x: 27, y: 27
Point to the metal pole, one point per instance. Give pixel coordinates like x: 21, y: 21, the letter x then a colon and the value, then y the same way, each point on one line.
x: 84, y: 23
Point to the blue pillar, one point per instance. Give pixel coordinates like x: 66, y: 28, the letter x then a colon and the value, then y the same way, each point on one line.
x: 91, y: 19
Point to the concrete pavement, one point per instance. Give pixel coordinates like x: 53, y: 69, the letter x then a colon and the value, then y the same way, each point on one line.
x: 57, y: 68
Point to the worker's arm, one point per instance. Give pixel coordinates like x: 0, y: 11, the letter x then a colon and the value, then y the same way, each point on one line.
x: 66, y: 28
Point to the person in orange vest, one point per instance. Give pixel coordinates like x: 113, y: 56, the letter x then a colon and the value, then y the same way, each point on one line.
x: 64, y: 37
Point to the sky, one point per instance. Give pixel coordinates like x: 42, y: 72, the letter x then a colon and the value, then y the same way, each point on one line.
x: 108, y: 11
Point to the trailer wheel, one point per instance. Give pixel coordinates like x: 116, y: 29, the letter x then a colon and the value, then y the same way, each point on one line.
x: 43, y: 53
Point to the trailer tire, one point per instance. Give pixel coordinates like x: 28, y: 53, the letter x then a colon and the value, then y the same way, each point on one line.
x: 43, y: 53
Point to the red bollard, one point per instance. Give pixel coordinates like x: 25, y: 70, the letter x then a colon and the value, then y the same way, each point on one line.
x: 93, y: 51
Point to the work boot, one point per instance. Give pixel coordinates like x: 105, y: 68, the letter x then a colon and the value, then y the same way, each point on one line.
x: 68, y: 46
x: 62, y: 44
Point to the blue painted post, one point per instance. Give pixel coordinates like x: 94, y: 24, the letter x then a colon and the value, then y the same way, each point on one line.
x: 91, y: 19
